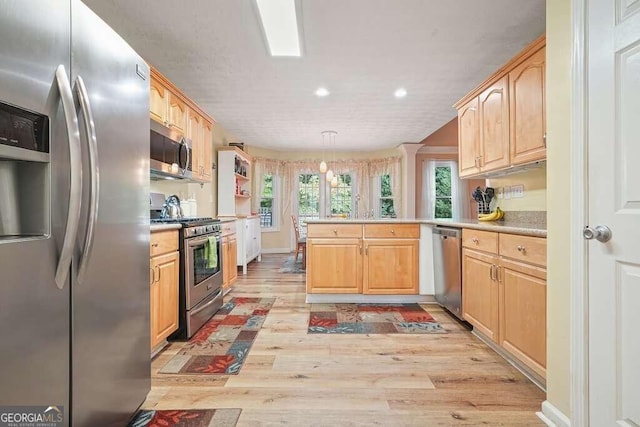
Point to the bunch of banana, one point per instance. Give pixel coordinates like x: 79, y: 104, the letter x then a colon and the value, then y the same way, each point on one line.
x: 493, y: 216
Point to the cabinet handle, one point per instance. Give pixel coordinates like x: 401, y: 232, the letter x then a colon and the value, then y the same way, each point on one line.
x: 335, y: 232
x: 544, y: 139
x: 522, y: 249
x: 153, y: 275
x: 155, y: 245
x: 366, y: 250
x: 158, y: 267
x: 475, y: 240
x: 498, y: 273
x: 360, y: 247
x: 393, y: 231
x: 491, y: 270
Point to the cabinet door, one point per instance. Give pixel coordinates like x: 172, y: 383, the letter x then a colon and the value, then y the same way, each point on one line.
x: 523, y: 313
x: 205, y: 144
x: 177, y: 113
x: 527, y: 115
x: 164, y: 297
x: 494, y: 126
x: 334, y: 266
x: 468, y: 139
x: 195, y: 134
x: 480, y: 292
x: 390, y: 267
x: 233, y: 260
x: 158, y: 102
x: 226, y: 259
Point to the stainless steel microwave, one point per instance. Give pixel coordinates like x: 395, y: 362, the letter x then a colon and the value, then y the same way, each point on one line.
x: 170, y: 152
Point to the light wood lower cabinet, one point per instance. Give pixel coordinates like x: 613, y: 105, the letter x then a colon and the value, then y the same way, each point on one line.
x: 334, y: 266
x: 229, y: 261
x: 480, y: 292
x: 164, y: 296
x: 523, y: 313
x: 391, y: 267
x: 505, y: 298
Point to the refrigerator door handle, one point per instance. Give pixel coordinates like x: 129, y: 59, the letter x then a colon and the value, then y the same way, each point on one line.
x: 92, y: 142
x: 75, y: 191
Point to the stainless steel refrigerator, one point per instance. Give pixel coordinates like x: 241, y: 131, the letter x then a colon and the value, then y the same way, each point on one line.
x: 74, y: 216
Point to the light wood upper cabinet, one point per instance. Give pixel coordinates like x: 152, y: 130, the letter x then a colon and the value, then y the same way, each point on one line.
x: 158, y: 101
x: 195, y: 134
x: 334, y: 266
x: 177, y: 113
x: 391, y: 267
x: 528, y: 125
x: 164, y: 297
x: 206, y: 150
x: 501, y: 123
x: 523, y: 313
x: 494, y: 126
x: 480, y: 292
x: 469, y: 139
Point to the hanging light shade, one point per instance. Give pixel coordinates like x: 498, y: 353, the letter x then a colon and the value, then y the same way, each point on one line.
x: 334, y: 181
x: 330, y: 175
x: 323, y: 166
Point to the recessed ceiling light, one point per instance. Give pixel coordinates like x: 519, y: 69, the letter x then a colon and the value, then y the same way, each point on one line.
x: 280, y: 24
x: 400, y: 93
x: 322, y: 92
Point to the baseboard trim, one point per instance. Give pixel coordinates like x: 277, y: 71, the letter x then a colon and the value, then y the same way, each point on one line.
x: 366, y: 299
x: 552, y: 416
x: 276, y: 251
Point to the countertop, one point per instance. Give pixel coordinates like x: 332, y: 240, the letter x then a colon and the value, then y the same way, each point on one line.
x: 164, y: 227
x: 514, y: 227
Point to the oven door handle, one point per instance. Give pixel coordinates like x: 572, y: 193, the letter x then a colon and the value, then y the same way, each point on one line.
x: 208, y: 304
x: 198, y: 242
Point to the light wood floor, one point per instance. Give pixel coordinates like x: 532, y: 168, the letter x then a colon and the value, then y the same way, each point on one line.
x: 291, y: 378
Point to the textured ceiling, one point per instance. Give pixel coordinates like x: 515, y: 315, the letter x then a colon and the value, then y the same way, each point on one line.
x: 361, y: 50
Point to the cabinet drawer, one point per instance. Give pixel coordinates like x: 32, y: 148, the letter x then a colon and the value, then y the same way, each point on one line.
x: 486, y: 241
x: 228, y: 228
x: 528, y: 249
x: 398, y: 231
x: 334, y: 230
x: 163, y: 242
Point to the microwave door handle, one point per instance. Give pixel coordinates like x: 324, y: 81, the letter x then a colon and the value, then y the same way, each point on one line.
x: 75, y: 191
x: 92, y: 143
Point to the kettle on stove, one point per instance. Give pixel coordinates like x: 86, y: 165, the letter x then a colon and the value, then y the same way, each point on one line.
x: 172, y: 208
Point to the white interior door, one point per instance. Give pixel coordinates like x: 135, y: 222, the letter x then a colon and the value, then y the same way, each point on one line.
x: 613, y: 33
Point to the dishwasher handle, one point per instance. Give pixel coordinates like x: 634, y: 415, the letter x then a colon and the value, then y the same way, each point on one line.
x: 447, y: 232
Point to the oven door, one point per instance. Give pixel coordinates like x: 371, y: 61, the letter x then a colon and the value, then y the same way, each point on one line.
x: 201, y: 279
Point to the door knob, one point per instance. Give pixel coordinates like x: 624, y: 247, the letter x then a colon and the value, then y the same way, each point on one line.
x: 601, y: 233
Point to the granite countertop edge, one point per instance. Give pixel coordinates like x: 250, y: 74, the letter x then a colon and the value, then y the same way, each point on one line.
x: 525, y: 229
x: 164, y: 227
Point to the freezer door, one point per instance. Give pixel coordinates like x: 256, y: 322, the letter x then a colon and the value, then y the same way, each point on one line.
x: 110, y: 291
x: 34, y: 312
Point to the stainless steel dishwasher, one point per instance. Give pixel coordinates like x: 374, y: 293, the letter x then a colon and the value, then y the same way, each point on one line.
x: 447, y: 265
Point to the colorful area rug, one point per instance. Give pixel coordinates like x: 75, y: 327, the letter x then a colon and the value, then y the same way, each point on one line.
x: 371, y: 319
x: 222, y: 344
x: 293, y: 266
x: 186, y: 418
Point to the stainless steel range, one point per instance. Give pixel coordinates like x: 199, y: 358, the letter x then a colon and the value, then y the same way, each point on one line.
x: 200, y: 279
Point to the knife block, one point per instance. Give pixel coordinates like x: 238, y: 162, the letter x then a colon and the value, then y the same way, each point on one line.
x: 483, y: 208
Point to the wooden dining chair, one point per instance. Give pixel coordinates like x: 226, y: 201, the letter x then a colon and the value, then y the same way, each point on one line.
x: 301, y: 242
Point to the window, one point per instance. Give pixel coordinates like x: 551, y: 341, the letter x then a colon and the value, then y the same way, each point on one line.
x: 341, y: 196
x: 444, y: 199
x: 268, y: 211
x: 386, y: 208
x: 308, y: 198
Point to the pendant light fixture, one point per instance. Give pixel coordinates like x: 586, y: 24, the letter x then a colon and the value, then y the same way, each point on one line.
x: 323, y: 164
x: 334, y: 181
x: 329, y: 134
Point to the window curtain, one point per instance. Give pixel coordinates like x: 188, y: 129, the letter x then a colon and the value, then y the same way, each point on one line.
x: 262, y: 167
x: 459, y: 191
x: 428, y: 207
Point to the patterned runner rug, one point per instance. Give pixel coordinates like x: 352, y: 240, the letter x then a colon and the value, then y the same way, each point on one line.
x: 186, y: 418
x: 222, y: 344
x: 372, y: 319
